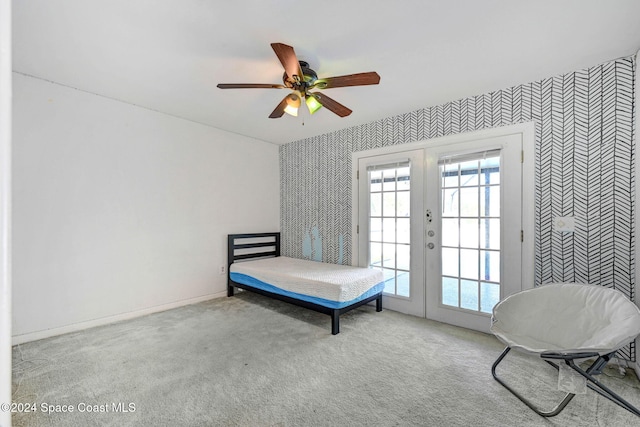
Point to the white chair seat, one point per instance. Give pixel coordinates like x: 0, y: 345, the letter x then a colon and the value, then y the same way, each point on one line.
x: 566, y: 318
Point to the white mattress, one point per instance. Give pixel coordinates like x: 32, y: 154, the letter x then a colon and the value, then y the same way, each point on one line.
x: 332, y: 282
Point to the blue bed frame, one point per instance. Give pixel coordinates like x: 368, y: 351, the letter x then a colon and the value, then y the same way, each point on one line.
x: 269, y: 246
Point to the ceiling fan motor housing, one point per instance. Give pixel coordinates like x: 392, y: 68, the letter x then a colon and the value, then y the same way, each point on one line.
x: 307, y: 81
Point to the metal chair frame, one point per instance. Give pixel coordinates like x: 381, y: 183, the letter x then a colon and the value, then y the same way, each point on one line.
x: 594, y: 369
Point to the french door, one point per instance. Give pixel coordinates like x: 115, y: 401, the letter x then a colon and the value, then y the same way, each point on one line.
x: 391, y: 189
x: 473, y: 228
x: 470, y: 208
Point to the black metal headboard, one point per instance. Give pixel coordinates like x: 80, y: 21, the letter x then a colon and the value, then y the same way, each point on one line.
x: 252, y: 245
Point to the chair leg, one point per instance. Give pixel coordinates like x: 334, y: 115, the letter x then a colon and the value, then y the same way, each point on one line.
x: 600, y: 388
x: 595, y: 385
x: 555, y: 411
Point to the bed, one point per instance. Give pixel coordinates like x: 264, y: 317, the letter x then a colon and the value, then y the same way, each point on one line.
x: 255, y: 264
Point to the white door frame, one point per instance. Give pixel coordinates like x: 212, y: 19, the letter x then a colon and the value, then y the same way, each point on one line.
x: 526, y: 130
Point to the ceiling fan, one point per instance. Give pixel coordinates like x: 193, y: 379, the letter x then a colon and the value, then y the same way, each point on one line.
x: 301, y: 80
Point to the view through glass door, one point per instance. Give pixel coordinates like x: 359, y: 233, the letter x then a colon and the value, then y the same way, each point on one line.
x: 390, y: 226
x: 473, y: 228
x: 470, y: 217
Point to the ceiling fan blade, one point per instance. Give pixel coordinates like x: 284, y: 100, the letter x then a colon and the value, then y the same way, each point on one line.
x: 359, y: 79
x: 279, y: 111
x: 250, y: 86
x: 288, y: 59
x: 331, y: 105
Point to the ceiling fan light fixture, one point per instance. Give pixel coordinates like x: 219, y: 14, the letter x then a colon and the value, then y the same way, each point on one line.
x: 292, y: 111
x: 312, y: 103
x: 293, y: 103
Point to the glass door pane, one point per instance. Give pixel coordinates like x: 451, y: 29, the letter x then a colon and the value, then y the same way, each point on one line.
x: 470, y: 200
x: 389, y: 226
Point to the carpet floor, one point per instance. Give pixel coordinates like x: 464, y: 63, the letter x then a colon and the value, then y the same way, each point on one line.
x: 254, y: 361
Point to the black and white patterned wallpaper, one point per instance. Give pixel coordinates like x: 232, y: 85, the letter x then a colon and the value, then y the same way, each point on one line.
x: 584, y: 167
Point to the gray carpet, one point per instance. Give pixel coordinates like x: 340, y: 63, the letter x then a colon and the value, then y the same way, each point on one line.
x: 253, y: 361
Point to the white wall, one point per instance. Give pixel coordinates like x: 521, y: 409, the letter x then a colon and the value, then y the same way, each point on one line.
x: 119, y: 210
x: 636, y: 366
x: 5, y: 209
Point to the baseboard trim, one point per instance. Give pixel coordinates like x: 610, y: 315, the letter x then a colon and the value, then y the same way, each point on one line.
x: 47, y: 333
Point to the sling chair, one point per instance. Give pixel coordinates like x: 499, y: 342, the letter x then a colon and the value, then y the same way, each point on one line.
x: 567, y: 322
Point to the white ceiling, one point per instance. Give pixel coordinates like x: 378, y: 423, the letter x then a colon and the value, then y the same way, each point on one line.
x: 168, y: 55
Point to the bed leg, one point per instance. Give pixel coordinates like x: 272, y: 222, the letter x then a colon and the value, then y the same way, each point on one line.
x: 229, y: 290
x: 335, y: 322
x: 379, y: 303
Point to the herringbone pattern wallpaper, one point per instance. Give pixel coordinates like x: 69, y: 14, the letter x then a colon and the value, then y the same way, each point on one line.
x: 584, y: 167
